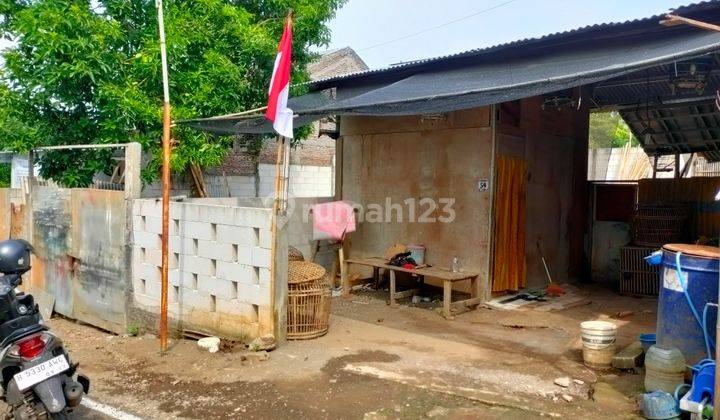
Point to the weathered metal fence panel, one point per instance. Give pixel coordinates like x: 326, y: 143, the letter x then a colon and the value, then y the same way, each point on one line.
x: 98, y: 250
x: 51, y: 271
x: 79, y: 236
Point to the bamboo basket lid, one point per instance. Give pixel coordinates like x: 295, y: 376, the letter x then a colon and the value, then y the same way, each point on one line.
x: 294, y: 254
x: 304, y: 271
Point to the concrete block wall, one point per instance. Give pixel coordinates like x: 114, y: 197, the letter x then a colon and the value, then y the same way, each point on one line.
x: 220, y: 259
x: 305, y: 180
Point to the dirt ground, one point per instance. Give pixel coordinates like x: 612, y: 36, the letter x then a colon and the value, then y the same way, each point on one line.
x: 379, y: 362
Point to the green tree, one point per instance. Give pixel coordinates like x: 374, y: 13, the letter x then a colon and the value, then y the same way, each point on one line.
x: 5, y: 175
x: 83, y: 71
x: 608, y: 129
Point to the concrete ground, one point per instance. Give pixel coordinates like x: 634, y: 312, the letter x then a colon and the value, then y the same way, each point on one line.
x: 378, y: 362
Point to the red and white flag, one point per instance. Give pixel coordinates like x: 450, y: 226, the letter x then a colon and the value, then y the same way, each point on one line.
x: 277, y: 110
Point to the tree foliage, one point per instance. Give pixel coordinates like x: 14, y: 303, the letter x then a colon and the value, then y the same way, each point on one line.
x: 608, y: 129
x: 83, y: 71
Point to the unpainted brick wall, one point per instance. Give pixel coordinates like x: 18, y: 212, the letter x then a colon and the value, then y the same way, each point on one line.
x: 219, y: 266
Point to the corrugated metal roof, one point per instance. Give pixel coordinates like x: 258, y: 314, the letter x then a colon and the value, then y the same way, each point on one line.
x: 629, y: 66
x: 511, y: 44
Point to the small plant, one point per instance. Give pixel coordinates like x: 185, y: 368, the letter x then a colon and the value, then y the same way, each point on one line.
x: 133, y: 330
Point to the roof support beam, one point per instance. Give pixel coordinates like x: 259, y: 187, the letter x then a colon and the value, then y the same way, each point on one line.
x: 615, y: 83
x: 664, y: 104
x: 668, y: 146
x: 701, y: 114
x: 674, y: 20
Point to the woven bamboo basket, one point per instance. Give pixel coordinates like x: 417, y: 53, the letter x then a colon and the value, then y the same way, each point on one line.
x: 304, y: 272
x: 308, y: 310
x: 294, y: 254
x: 656, y: 225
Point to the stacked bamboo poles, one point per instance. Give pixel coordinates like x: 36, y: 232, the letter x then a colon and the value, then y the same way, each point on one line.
x: 634, y: 164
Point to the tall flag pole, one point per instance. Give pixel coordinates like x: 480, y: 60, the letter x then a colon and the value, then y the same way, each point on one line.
x: 165, y: 183
x: 282, y: 119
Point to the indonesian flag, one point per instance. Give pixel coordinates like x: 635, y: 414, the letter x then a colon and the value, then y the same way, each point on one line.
x: 277, y: 110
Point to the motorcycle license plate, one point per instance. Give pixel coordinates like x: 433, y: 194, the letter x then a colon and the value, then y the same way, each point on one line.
x: 39, y: 373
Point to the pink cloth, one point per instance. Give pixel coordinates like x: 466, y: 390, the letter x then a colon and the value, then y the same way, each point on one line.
x: 332, y: 220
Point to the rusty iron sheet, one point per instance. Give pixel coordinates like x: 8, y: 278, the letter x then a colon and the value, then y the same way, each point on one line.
x: 51, y: 239
x: 98, y: 255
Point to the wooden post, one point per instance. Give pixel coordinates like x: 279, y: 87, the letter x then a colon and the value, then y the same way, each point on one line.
x: 393, y: 284
x: 447, y: 299
x: 655, y: 165
x: 688, y: 164
x: 131, y: 172
x: 165, y: 183
x: 286, y: 176
x: 273, y: 227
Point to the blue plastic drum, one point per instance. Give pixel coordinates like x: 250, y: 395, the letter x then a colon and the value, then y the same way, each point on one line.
x: 677, y: 325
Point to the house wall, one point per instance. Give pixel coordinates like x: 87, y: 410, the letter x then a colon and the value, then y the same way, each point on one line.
x: 554, y: 145
x: 220, y: 267
x: 401, y: 158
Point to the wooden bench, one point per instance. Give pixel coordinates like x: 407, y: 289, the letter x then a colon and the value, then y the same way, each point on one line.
x: 448, y: 278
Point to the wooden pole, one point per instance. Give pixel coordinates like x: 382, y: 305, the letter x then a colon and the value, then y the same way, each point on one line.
x: 674, y: 20
x: 273, y: 227
x: 165, y: 183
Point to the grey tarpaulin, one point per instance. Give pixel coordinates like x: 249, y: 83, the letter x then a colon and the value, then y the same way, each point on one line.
x: 488, y: 79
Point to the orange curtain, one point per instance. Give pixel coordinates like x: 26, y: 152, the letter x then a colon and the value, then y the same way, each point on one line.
x: 509, y: 251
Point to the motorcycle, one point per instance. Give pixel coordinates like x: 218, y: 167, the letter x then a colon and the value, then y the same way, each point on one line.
x: 39, y: 381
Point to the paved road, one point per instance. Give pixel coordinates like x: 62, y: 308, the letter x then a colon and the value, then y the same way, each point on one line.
x: 83, y: 412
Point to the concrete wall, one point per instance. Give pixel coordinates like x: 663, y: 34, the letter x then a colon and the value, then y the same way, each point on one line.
x: 607, y: 239
x: 305, y: 181
x: 400, y: 158
x: 237, y: 186
x: 300, y: 230
x: 220, y: 260
x: 606, y: 164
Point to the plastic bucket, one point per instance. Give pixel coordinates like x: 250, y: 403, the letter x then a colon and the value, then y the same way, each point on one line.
x: 598, y: 335
x: 417, y: 253
x: 598, y: 338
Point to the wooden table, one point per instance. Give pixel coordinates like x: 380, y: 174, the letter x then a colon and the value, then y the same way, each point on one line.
x: 448, y: 278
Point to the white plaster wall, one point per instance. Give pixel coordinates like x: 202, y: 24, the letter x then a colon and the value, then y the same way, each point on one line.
x: 219, y: 266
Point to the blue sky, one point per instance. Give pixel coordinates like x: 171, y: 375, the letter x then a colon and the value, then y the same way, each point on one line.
x: 362, y: 24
